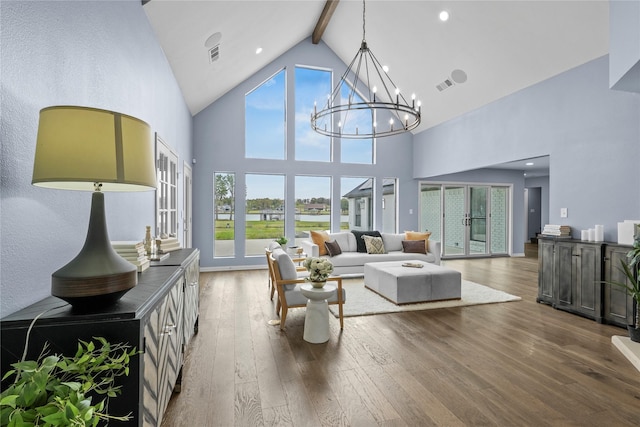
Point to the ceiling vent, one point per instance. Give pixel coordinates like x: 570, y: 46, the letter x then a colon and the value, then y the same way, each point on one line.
x: 457, y: 76
x: 214, y: 54
x: 444, y: 85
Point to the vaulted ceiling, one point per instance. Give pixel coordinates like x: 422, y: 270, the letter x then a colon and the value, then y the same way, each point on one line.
x: 502, y: 46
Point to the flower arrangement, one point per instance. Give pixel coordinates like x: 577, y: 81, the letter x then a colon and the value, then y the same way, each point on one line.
x: 319, y: 269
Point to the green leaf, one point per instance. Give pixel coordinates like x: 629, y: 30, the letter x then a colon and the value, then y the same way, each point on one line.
x: 75, y: 386
x: 9, y: 400
x: 8, y: 374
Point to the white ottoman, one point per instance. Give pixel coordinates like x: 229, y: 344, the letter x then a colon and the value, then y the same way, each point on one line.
x: 404, y: 285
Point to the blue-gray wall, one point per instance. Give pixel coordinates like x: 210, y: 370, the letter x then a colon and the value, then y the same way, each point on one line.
x: 94, y: 53
x: 219, y: 147
x: 590, y: 132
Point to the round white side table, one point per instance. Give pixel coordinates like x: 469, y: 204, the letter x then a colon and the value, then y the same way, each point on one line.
x: 316, y: 321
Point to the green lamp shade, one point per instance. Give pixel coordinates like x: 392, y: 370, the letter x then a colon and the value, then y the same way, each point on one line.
x: 80, y: 148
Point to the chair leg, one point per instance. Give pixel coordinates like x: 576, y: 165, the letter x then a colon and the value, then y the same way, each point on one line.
x: 283, y: 317
x: 341, y: 318
x: 273, y: 290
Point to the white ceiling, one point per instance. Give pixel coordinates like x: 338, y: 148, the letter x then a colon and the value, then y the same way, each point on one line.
x: 503, y: 46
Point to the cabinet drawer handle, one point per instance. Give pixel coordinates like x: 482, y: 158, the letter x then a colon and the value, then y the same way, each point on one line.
x: 168, y: 329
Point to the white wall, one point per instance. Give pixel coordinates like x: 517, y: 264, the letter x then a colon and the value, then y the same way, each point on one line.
x: 101, y: 54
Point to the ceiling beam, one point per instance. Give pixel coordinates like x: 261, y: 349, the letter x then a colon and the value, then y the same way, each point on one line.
x: 323, y: 21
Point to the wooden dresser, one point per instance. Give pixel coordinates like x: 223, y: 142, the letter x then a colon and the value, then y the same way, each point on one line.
x: 572, y: 276
x: 159, y: 316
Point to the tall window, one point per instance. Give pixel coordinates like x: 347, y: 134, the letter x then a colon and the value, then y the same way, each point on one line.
x: 356, y: 203
x: 389, y: 205
x: 224, y: 214
x: 311, y: 86
x: 356, y: 150
x: 167, y: 190
x: 265, y: 210
x: 265, y: 119
x: 313, y: 205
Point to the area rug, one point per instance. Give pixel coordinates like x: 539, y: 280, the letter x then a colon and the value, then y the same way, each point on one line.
x: 362, y: 302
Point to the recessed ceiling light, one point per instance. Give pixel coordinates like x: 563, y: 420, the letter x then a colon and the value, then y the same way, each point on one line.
x: 529, y: 164
x: 258, y: 51
x: 444, y: 16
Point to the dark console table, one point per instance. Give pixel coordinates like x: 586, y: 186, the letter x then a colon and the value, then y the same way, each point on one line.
x: 571, y: 276
x: 158, y: 316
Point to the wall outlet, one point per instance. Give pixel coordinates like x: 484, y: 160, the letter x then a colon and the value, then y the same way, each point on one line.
x: 563, y: 213
x: 410, y: 211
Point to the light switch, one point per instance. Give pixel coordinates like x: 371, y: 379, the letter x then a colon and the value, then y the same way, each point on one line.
x: 563, y: 213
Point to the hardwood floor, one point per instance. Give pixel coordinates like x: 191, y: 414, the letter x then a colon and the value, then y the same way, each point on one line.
x: 510, y: 364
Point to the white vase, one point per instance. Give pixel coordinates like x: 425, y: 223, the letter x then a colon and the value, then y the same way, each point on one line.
x: 318, y: 284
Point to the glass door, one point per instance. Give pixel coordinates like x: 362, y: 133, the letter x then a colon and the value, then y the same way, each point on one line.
x: 469, y: 220
x: 476, y: 222
x: 455, y: 220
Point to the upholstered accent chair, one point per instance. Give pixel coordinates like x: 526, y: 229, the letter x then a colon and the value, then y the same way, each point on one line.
x: 288, y: 285
x: 302, y: 272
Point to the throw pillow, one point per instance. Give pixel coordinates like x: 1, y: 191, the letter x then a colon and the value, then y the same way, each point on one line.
x: 374, y: 245
x: 414, y: 246
x: 333, y: 248
x: 360, y: 242
x: 319, y: 237
x: 417, y: 235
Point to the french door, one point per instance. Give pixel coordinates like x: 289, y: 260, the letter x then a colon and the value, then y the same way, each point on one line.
x: 469, y: 219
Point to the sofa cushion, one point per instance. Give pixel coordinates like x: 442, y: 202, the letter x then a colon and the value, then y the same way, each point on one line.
x: 392, y: 241
x: 360, y: 242
x: 414, y: 246
x: 333, y: 248
x: 346, y: 240
x: 374, y: 245
x: 319, y: 237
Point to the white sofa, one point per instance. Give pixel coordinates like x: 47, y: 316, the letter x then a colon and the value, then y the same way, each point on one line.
x: 352, y: 262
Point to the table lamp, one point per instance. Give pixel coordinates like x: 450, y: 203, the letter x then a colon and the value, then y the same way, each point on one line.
x: 80, y: 148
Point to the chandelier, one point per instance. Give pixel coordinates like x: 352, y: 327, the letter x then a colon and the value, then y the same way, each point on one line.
x: 353, y: 109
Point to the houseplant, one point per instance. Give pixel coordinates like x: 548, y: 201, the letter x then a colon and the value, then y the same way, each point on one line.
x: 282, y: 240
x: 319, y: 270
x: 58, y: 390
x: 631, y: 270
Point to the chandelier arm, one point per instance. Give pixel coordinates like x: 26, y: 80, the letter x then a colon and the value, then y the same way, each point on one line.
x: 412, y: 115
x: 389, y: 78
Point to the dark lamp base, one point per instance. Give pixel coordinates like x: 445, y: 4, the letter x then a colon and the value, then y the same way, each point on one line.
x: 97, y: 276
x: 89, y: 293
